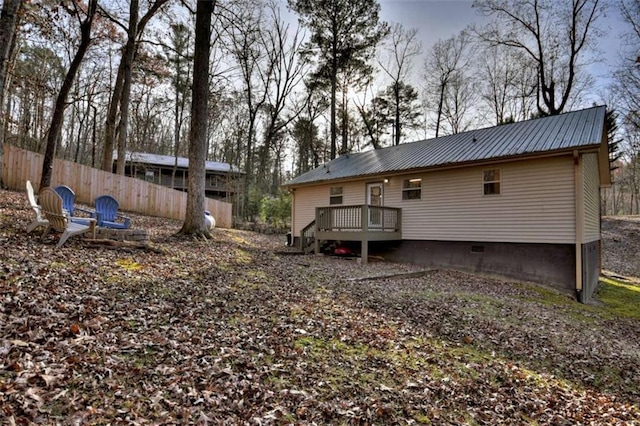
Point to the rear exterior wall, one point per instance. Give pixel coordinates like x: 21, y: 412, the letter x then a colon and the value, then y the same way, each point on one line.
x: 591, y: 249
x: 591, y: 191
x: 536, y: 203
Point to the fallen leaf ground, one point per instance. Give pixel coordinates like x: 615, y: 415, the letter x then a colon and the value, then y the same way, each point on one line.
x: 238, y: 330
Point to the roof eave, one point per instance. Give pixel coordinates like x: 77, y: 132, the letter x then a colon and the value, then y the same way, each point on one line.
x: 448, y: 166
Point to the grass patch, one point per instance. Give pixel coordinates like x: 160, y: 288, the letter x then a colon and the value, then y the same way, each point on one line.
x: 238, y: 239
x: 545, y: 296
x: 128, y: 264
x: 242, y: 257
x: 619, y: 298
x: 571, y: 307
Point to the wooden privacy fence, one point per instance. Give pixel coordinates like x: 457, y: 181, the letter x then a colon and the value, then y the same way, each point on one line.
x: 135, y: 195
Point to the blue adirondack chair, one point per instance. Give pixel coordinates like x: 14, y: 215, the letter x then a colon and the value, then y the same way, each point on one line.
x: 107, y: 213
x: 68, y: 198
x: 68, y: 204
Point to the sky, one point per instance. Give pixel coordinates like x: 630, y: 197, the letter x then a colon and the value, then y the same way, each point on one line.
x: 434, y: 19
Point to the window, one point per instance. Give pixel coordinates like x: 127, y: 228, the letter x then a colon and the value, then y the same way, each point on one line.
x: 491, y: 181
x: 149, y: 176
x: 335, y: 195
x: 412, y: 189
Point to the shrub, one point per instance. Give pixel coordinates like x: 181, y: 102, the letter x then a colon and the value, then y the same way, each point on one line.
x: 276, y: 211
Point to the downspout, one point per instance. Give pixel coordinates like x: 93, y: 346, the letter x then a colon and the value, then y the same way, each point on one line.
x: 579, y: 219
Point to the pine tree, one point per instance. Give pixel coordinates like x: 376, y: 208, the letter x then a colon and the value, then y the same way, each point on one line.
x: 344, y: 34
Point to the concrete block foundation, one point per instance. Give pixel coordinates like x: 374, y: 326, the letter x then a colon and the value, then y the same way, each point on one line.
x: 548, y: 264
x: 552, y: 265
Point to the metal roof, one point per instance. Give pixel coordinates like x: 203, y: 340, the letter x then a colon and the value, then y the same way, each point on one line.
x: 169, y: 161
x: 554, y: 133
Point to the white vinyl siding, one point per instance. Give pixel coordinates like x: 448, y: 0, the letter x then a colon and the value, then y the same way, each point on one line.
x: 536, y: 204
x: 308, y: 198
x: 591, y: 197
x: 305, y: 201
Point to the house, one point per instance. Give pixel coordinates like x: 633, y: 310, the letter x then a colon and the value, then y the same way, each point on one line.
x: 222, y: 179
x: 520, y: 200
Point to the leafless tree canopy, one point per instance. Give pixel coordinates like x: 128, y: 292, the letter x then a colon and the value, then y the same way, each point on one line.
x: 555, y: 35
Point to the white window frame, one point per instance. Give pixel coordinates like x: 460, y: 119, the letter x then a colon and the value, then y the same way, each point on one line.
x: 407, y: 189
x: 487, y: 184
x: 335, y: 196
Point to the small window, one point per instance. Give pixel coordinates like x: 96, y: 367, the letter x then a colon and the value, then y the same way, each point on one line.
x: 491, y: 181
x: 412, y: 189
x: 149, y: 176
x: 335, y: 195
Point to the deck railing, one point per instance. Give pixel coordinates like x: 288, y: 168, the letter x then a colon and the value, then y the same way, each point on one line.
x: 307, y: 237
x: 358, y: 218
x: 352, y: 223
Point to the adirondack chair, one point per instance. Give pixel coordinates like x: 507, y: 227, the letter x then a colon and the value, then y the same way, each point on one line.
x: 68, y: 204
x: 107, y: 213
x: 39, y: 220
x: 68, y: 198
x: 58, y: 221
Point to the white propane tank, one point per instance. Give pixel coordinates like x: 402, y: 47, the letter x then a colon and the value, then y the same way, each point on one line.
x: 209, y: 220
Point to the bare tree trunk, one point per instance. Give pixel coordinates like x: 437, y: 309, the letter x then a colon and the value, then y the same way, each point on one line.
x: 58, y: 113
x: 345, y: 123
x: 194, y: 218
x: 440, y: 105
x: 93, y: 135
x: 119, y: 87
x: 177, y: 124
x: 633, y: 187
x: 334, y: 87
x: 396, y: 99
x: 110, y: 125
x: 8, y: 25
x: 127, y: 60
x: 176, y: 141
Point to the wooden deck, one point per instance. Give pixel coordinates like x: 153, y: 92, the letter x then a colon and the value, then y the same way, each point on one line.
x: 353, y: 223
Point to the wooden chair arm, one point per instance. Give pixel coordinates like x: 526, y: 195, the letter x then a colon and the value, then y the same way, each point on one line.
x: 126, y: 219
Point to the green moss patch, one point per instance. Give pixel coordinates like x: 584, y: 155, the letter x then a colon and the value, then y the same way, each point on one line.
x: 619, y: 297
